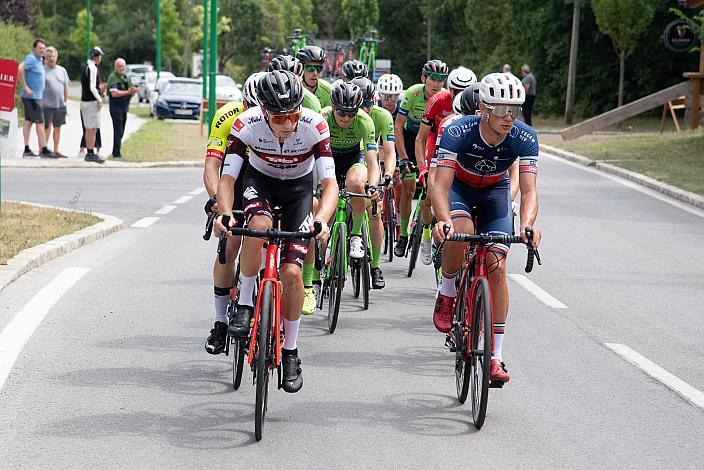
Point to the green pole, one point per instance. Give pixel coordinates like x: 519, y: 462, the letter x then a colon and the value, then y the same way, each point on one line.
x: 158, y: 39
x: 87, y: 29
x: 204, y: 65
x: 213, y: 58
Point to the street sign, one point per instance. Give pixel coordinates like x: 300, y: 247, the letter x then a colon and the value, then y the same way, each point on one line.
x: 679, y: 36
x: 8, y: 81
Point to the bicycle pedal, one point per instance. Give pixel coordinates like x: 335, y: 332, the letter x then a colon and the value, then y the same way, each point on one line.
x: 496, y: 384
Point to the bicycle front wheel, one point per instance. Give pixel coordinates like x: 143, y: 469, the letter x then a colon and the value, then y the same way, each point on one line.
x: 462, y: 343
x: 390, y: 226
x: 237, y: 361
x: 337, y: 277
x: 481, y: 351
x: 366, y: 264
x: 263, y: 354
x: 414, y: 241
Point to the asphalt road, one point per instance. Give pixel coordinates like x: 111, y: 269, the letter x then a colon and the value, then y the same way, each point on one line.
x: 115, y: 374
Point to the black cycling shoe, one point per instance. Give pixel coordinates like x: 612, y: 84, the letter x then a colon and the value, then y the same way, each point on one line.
x: 292, y: 379
x: 239, y: 325
x: 215, y: 344
x: 400, y: 248
x: 377, y: 279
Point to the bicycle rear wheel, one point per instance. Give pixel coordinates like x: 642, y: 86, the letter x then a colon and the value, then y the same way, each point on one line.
x: 263, y: 353
x: 237, y: 361
x: 366, y: 264
x: 390, y: 225
x: 480, y: 359
x: 462, y: 343
x: 355, y: 273
x: 414, y: 241
x: 337, y: 276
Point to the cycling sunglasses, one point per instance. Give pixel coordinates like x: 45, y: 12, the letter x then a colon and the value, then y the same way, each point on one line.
x: 501, y: 110
x: 314, y: 68
x: 344, y: 113
x: 280, y: 119
x: 368, y: 104
x: 437, y: 76
x: 387, y: 97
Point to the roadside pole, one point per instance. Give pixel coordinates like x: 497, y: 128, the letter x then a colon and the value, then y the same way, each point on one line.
x: 158, y: 39
x: 572, y: 70
x: 87, y: 29
x: 204, y: 64
x: 212, y: 104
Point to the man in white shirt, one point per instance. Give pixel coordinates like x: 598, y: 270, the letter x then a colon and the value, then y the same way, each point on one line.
x: 55, y: 97
x: 91, y: 103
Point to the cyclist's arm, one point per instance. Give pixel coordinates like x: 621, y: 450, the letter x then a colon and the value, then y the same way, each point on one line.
x: 211, y: 175
x: 513, y: 175
x: 398, y: 135
x: 234, y: 158
x: 528, y: 175
x: 389, y: 154
x: 325, y: 167
x: 420, y: 144
x: 440, y: 198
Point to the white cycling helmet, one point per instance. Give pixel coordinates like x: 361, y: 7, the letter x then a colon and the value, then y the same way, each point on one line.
x: 460, y: 78
x: 389, y: 84
x: 249, y: 90
x: 502, y: 88
x: 457, y: 104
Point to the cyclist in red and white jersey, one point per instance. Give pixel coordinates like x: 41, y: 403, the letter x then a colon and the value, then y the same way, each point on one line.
x: 285, y: 142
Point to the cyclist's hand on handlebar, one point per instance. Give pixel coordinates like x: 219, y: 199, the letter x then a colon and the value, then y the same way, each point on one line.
x: 388, y: 181
x: 374, y: 194
x: 405, y: 167
x: 423, y: 178
x: 515, y: 208
x: 324, y: 230
x: 211, y: 206
x: 220, y: 228
x: 537, y: 235
x: 440, y: 231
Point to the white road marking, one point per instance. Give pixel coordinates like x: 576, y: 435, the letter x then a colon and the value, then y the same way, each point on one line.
x: 182, y: 199
x: 18, y: 331
x: 165, y: 210
x: 629, y: 184
x: 198, y: 191
x: 534, y: 289
x: 145, y: 222
x: 682, y: 388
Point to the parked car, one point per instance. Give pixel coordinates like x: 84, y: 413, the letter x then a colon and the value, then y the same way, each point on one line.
x: 226, y: 89
x: 148, y: 83
x: 154, y: 94
x: 179, y: 98
x: 136, y: 72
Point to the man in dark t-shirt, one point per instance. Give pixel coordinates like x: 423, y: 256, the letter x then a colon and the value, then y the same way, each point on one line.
x: 121, y: 91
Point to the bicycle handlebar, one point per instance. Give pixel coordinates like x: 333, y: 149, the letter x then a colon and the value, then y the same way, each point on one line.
x: 347, y: 194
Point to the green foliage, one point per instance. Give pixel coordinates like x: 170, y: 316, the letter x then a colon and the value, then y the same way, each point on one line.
x: 171, y: 31
x: 77, y: 38
x: 326, y: 14
x: 360, y: 16
x: 624, y: 21
x: 16, y: 11
x: 15, y: 45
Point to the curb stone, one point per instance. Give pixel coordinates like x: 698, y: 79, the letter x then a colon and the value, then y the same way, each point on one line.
x: 674, y: 192
x: 37, y: 163
x: 33, y: 257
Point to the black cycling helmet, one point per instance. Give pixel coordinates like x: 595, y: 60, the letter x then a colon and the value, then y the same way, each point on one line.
x: 435, y: 66
x: 366, y: 86
x: 346, y: 96
x: 311, y: 54
x: 469, y: 99
x: 279, y: 91
x: 354, y: 68
x: 286, y: 62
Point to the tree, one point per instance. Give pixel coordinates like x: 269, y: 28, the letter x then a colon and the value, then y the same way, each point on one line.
x: 16, y: 11
x: 624, y: 21
x: 171, y: 41
x: 360, y: 16
x: 77, y: 38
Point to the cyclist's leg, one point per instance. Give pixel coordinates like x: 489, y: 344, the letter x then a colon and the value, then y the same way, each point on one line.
x: 409, y: 183
x: 310, y: 274
x: 453, y: 252
x: 354, y: 182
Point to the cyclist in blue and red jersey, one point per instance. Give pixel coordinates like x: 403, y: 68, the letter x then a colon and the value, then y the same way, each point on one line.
x: 474, y: 156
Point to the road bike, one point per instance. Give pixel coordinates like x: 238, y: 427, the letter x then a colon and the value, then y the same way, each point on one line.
x: 415, y: 234
x: 266, y: 335
x: 389, y: 220
x: 334, y: 274
x: 473, y: 317
x: 298, y: 41
x: 367, y: 50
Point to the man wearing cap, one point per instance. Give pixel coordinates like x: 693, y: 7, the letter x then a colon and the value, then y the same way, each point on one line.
x: 121, y: 92
x: 91, y: 103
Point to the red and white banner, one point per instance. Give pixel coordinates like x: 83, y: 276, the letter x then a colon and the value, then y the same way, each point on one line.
x: 8, y: 81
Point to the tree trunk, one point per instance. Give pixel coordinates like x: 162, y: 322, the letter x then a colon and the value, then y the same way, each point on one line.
x: 621, y: 74
x: 572, y: 71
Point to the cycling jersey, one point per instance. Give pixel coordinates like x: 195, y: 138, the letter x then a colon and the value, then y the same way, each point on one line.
x: 481, y: 165
x: 438, y: 108
x: 383, y: 124
x: 441, y: 128
x: 309, y: 145
x: 220, y: 129
x: 413, y: 106
x: 323, y: 91
x: 310, y: 101
x: 359, y: 135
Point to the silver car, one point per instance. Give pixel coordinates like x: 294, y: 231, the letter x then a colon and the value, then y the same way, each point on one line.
x: 148, y: 83
x: 136, y: 72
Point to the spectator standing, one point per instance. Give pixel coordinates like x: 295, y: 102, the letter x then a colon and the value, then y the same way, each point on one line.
x: 31, y: 76
x: 529, y: 84
x: 506, y: 68
x: 91, y: 103
x: 55, y: 97
x: 120, y: 91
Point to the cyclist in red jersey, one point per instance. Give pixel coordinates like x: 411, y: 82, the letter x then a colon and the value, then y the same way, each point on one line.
x: 438, y: 108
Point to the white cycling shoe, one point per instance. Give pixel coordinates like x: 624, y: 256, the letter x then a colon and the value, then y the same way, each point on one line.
x: 426, y: 251
x: 356, y: 249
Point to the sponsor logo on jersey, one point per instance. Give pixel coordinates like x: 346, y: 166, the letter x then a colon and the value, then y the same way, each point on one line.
x: 299, y: 248
x: 485, y: 166
x: 306, y: 119
x: 250, y: 193
x: 305, y: 225
x: 254, y: 119
x: 215, y: 142
x: 454, y: 131
x: 238, y: 125
x: 322, y: 127
x: 371, y: 147
x: 254, y: 205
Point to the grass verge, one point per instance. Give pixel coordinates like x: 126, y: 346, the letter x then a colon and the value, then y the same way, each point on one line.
x: 167, y: 140
x: 676, y: 159
x: 23, y: 226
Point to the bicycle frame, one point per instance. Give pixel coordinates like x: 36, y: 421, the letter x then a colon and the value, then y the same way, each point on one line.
x: 475, y: 258
x: 270, y: 276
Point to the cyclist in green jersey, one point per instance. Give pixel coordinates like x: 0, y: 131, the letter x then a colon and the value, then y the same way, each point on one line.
x: 313, y: 59
x: 354, y: 150
x: 410, y: 115
x: 293, y: 65
x: 384, y: 133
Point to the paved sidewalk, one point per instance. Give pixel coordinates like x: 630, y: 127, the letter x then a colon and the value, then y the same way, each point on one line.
x: 71, y: 133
